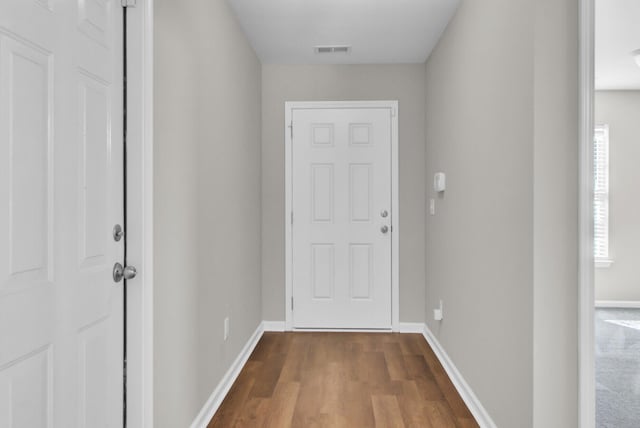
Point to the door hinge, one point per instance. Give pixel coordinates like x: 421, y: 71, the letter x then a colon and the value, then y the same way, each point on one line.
x: 393, y: 112
x: 128, y: 3
x: 291, y: 130
x: 292, y: 303
x: 291, y: 217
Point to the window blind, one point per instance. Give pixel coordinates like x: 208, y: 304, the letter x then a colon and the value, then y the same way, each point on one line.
x: 601, y: 192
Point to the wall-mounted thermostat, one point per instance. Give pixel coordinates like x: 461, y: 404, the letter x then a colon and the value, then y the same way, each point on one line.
x: 439, y: 182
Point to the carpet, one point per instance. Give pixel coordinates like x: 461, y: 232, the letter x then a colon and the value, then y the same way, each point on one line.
x: 618, y: 368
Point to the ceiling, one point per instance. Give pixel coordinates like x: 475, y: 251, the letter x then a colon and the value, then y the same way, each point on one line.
x: 617, y: 35
x: 378, y: 31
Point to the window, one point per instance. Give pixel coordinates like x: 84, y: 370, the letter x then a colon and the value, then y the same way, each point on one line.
x: 601, y: 196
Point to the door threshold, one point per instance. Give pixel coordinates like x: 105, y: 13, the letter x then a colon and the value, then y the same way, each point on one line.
x: 341, y: 330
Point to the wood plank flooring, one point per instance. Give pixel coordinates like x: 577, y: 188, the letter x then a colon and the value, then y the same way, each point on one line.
x: 354, y: 380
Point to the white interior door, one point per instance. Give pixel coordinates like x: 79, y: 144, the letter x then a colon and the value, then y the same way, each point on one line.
x: 61, y: 174
x: 341, y: 233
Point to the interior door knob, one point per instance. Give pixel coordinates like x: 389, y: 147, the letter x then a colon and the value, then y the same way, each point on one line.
x: 384, y: 229
x: 120, y: 272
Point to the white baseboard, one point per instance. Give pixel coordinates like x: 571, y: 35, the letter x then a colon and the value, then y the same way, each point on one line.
x: 273, y: 325
x: 411, y: 327
x: 463, y: 388
x: 280, y: 326
x: 618, y: 304
x: 340, y: 330
x: 218, y: 394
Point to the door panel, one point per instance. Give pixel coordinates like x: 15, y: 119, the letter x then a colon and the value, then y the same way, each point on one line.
x: 61, y: 176
x: 25, y: 385
x: 360, y: 188
x: 94, y: 115
x: 341, y: 185
x: 26, y: 88
x: 323, y: 271
x: 322, y: 195
x: 360, y: 271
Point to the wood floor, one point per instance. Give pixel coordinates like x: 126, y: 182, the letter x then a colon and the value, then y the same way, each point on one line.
x: 354, y: 380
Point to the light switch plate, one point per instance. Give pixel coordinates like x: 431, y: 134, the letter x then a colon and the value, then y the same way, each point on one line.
x: 439, y: 182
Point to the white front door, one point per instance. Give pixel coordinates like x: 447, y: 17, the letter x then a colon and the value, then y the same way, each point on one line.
x: 341, y: 233
x: 61, y: 175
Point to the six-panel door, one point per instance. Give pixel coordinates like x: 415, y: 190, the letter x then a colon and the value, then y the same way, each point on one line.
x: 61, y: 315
x: 341, y: 218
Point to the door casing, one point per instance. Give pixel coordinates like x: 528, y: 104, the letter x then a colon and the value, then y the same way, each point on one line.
x: 140, y: 213
x: 290, y: 106
x: 586, y: 294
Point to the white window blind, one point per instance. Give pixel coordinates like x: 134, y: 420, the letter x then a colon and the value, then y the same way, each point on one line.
x: 601, y: 192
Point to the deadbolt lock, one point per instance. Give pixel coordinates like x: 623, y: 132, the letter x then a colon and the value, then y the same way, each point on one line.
x: 118, y: 233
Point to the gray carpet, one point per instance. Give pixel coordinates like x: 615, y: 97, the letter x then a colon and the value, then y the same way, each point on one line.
x: 618, y: 368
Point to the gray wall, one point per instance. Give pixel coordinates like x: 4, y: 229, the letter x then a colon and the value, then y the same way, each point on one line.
x: 555, y: 285
x: 621, y: 110
x: 207, y: 202
x: 499, y: 116
x: 479, y: 243
x: 404, y: 83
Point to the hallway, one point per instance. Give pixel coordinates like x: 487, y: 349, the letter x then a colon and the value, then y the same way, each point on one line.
x: 178, y: 178
x: 343, y: 380
x: 488, y: 264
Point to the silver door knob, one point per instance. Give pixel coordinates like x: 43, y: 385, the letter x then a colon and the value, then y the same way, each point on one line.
x: 120, y: 272
x: 384, y: 213
x: 384, y: 229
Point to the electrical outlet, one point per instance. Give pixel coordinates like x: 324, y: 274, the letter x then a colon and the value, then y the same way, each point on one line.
x: 226, y: 328
x: 438, y: 314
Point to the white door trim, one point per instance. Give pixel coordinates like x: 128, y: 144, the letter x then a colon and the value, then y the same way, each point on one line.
x: 586, y: 302
x: 395, y: 205
x: 140, y: 214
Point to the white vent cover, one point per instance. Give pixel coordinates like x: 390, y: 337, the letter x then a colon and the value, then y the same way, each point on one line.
x: 332, y: 49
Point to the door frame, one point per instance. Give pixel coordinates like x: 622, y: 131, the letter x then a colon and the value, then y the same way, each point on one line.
x: 140, y: 213
x: 290, y: 106
x: 586, y: 292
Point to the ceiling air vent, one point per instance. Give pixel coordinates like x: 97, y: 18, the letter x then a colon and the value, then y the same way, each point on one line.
x: 332, y: 49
